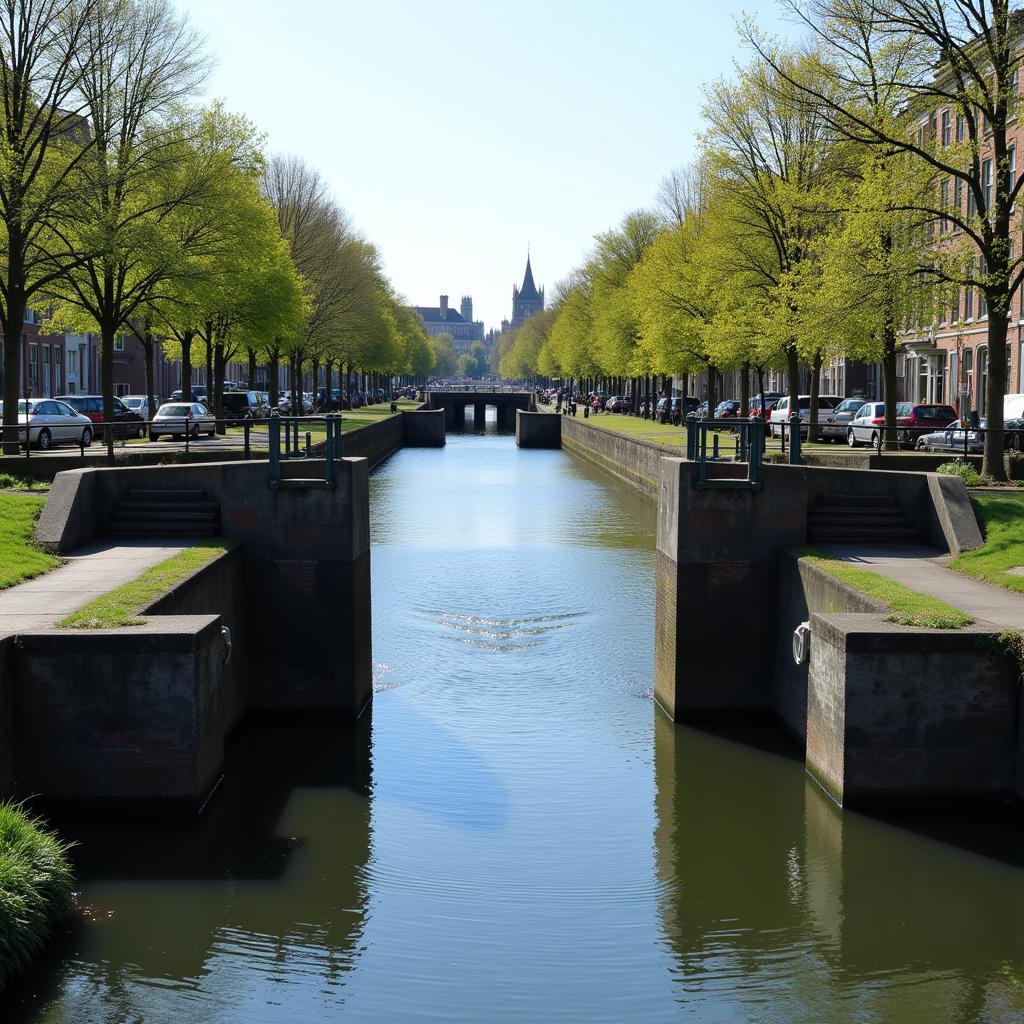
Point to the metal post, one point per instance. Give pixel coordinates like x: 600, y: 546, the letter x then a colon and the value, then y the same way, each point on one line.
x: 309, y: 445
x: 714, y: 449
x: 188, y: 431
x: 794, y: 440
x: 245, y: 429
x: 274, y: 444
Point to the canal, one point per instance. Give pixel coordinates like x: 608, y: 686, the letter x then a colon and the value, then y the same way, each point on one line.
x: 516, y: 833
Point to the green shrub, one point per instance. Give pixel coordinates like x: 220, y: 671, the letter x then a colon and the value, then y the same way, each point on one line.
x: 35, y: 888
x: 967, y: 473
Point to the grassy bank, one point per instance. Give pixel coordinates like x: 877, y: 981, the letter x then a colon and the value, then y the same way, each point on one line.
x: 122, y: 607
x: 20, y: 559
x: 906, y: 607
x: 1001, y: 517
x: 35, y: 889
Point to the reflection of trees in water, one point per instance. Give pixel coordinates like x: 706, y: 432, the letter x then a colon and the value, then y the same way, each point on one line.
x: 773, y: 897
x: 270, y: 882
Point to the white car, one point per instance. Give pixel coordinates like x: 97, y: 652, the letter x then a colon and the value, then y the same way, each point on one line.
x: 49, y: 422
x: 781, y: 413
x: 863, y: 428
x: 175, y: 419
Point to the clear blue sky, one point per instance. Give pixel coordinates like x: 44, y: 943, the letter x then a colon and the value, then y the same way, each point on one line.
x: 456, y: 133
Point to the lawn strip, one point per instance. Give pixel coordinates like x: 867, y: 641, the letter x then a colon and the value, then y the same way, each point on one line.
x: 123, y: 606
x: 1001, y: 518
x: 20, y: 559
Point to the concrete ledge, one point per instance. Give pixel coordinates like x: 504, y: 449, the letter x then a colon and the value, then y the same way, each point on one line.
x: 898, y: 715
x: 955, y: 514
x: 423, y: 428
x: 68, y: 519
x: 120, y: 714
x: 538, y: 430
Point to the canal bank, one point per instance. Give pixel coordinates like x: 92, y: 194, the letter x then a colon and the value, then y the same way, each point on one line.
x: 515, y: 832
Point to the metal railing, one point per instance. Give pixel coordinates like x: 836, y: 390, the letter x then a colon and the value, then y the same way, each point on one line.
x: 288, y: 442
x: 749, y: 449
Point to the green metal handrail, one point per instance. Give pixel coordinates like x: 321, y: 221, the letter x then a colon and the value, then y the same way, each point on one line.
x: 286, y: 429
x: 749, y: 449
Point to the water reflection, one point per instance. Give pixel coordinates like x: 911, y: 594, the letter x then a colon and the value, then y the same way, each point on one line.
x: 178, y: 917
x: 774, y: 899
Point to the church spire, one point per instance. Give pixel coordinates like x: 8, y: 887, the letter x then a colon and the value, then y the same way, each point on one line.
x: 529, y: 289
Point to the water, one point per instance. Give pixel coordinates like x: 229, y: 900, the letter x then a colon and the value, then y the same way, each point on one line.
x: 518, y: 834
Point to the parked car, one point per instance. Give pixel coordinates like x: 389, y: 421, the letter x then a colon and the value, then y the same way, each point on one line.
x: 198, y: 393
x: 47, y: 421
x: 175, y: 419
x: 1013, y: 407
x: 729, y: 409
x: 953, y: 439
x: 844, y: 414
x: 863, y: 428
x: 139, y: 404
x: 240, y: 406
x: 127, y: 422
x: 914, y: 419
x: 618, y: 403
x: 671, y: 409
x: 771, y: 399
x: 781, y: 413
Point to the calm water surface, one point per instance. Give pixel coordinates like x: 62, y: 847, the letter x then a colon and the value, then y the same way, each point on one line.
x: 517, y: 834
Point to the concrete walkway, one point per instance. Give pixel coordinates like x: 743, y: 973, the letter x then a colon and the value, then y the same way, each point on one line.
x: 924, y: 569
x: 90, y: 572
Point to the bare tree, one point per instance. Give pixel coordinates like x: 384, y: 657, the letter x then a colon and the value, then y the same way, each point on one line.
x: 44, y: 138
x: 930, y: 60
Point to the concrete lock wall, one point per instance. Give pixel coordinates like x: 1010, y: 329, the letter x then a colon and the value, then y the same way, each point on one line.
x: 633, y: 462
x: 120, y: 714
x: 423, y: 428
x: 803, y: 589
x: 538, y: 430
x: 900, y: 714
x: 375, y: 442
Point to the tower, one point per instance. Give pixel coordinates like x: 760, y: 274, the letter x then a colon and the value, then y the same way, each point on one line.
x: 526, y: 300
x: 466, y: 308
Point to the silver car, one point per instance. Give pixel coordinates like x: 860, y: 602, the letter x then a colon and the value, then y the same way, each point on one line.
x: 953, y: 439
x: 49, y: 422
x: 175, y: 419
x: 844, y: 413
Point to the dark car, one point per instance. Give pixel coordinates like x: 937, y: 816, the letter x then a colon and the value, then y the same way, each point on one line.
x: 729, y: 409
x: 618, y: 403
x: 913, y: 419
x: 198, y: 393
x: 239, y: 406
x: 771, y: 399
x: 127, y: 422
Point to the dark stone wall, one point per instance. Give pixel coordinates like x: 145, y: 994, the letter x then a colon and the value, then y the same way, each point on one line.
x: 538, y: 430
x: 6, y: 717
x: 375, y: 442
x: 634, y: 462
x: 120, y: 714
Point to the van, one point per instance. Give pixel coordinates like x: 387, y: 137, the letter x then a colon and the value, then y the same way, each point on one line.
x: 1013, y: 407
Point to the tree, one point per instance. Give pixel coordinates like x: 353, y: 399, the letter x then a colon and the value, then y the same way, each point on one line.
x: 141, y: 61
x: 445, y: 363
x: 43, y: 137
x: 926, y: 59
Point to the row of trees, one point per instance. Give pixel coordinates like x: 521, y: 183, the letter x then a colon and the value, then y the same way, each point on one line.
x: 848, y: 189
x: 127, y: 208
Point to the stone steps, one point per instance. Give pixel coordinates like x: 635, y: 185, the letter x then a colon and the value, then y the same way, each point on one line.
x: 859, y: 519
x: 165, y: 514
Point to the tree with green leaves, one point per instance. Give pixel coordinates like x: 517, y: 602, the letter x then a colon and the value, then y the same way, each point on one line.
x: 445, y: 363
x: 44, y: 136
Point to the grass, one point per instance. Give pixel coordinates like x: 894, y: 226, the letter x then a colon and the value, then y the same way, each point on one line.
x: 1001, y: 517
x: 906, y: 607
x: 9, y: 482
x: 20, y: 559
x: 122, y: 607
x: 35, y: 888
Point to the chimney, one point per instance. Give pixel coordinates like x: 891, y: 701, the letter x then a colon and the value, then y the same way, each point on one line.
x: 444, y: 307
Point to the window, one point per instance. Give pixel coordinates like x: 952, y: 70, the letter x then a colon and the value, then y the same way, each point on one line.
x: 967, y: 383
x: 1011, y: 169
x: 968, y: 303
x: 954, y: 314
x: 986, y: 183
x: 953, y: 382
x: 971, y: 206
x: 46, y: 370
x: 982, y: 378
x: 947, y: 127
x: 119, y: 344
x: 943, y: 205
x: 982, y: 297
x: 122, y: 389
x: 959, y: 127
x: 58, y: 369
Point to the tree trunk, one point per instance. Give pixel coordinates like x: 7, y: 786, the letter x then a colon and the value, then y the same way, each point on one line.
x: 107, y: 334
x: 13, y: 318
x: 745, y: 390
x: 218, y: 385
x: 994, y: 460
x: 712, y: 390
x: 252, y: 369
x: 812, y: 428
x: 149, y: 345
x: 209, y: 363
x: 793, y: 372
x: 316, y: 383
x: 274, y: 377
x: 186, y: 366
x: 889, y: 380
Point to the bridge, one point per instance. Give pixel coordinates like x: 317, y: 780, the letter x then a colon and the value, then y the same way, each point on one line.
x: 456, y: 399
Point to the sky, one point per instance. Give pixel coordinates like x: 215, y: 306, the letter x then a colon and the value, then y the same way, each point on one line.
x: 459, y: 134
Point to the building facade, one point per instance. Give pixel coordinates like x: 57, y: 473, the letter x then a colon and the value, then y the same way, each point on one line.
x: 457, y: 323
